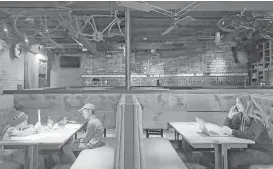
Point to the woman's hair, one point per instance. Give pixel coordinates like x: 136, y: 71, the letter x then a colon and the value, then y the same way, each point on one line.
x: 252, y: 109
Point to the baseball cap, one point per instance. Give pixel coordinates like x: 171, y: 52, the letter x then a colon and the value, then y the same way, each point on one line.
x: 88, y: 106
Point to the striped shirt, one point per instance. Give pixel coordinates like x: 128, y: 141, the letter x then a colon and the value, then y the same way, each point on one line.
x: 94, y: 133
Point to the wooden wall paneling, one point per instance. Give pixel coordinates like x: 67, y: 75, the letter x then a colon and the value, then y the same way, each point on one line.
x: 11, y: 70
x: 33, y: 70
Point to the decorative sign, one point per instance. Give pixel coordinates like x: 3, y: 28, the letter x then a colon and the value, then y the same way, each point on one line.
x: 18, y: 50
x: 3, y: 45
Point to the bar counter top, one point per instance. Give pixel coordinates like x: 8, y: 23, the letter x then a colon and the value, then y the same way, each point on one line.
x: 144, y: 90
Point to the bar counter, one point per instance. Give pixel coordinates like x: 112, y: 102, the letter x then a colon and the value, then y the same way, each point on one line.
x: 144, y: 90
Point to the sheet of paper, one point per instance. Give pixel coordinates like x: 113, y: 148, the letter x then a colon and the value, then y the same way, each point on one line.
x: 73, y: 126
x: 31, y: 137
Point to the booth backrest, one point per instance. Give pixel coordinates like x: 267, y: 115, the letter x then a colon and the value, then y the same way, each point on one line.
x: 57, y: 106
x: 6, y: 105
x: 129, y: 134
x: 266, y: 104
x: 119, y: 155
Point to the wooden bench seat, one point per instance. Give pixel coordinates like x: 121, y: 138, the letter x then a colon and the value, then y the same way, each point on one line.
x: 261, y: 166
x: 158, y: 153
x: 100, y: 158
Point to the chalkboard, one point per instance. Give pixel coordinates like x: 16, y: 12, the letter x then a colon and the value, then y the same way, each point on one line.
x: 70, y: 61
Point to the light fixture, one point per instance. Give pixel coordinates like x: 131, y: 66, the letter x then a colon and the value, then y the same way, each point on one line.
x: 144, y: 38
x: 5, y: 28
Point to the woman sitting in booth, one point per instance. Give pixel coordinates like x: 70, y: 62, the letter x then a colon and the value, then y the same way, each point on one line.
x: 247, y: 120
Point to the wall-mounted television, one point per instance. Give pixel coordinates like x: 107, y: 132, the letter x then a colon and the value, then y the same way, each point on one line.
x: 70, y: 61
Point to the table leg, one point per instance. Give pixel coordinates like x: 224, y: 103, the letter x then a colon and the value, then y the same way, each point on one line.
x: 76, y: 136
x: 180, y: 145
x: 218, y: 157
x: 26, y: 159
x: 32, y: 157
x: 224, y: 156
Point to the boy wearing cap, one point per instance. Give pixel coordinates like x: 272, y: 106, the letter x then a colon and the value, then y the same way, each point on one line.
x: 93, y: 136
x: 17, y: 126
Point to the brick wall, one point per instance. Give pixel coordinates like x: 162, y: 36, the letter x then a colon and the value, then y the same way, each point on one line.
x: 11, y: 71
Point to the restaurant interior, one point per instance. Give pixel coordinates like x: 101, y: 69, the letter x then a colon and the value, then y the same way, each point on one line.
x: 154, y: 71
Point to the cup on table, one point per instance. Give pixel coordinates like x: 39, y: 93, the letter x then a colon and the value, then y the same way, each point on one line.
x: 65, y: 121
x: 49, y: 122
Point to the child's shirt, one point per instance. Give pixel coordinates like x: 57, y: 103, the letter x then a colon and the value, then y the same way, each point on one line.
x: 93, y: 134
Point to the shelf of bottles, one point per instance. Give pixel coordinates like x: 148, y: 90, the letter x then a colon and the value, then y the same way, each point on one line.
x: 205, y: 69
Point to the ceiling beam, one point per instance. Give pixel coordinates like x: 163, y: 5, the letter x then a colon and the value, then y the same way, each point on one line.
x: 218, y: 5
x: 104, y: 5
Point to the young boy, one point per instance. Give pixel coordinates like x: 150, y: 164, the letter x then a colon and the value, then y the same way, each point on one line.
x: 93, y: 135
x: 17, y: 126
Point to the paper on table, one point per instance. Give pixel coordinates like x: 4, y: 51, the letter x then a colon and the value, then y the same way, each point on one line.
x: 74, y: 126
x: 31, y: 137
x: 49, y: 135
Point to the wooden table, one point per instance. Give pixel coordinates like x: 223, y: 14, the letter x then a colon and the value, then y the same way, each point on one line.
x: 191, y: 132
x: 54, y: 139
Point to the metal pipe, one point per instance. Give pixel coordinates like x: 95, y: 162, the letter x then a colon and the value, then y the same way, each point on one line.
x: 128, y: 48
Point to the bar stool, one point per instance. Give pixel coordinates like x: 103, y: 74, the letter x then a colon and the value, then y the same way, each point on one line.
x: 154, y: 132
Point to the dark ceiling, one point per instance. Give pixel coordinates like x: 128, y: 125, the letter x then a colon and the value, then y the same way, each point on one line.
x: 146, y: 27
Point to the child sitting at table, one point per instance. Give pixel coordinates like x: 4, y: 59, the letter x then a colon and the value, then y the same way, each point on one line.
x: 93, y: 135
x: 17, y: 126
x: 247, y: 120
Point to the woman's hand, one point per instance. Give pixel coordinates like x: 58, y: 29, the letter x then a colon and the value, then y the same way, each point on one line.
x: 233, y: 111
x: 227, y: 130
x: 29, y: 131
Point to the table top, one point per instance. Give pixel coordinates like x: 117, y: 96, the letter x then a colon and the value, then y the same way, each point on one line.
x: 46, y: 137
x: 194, y: 136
